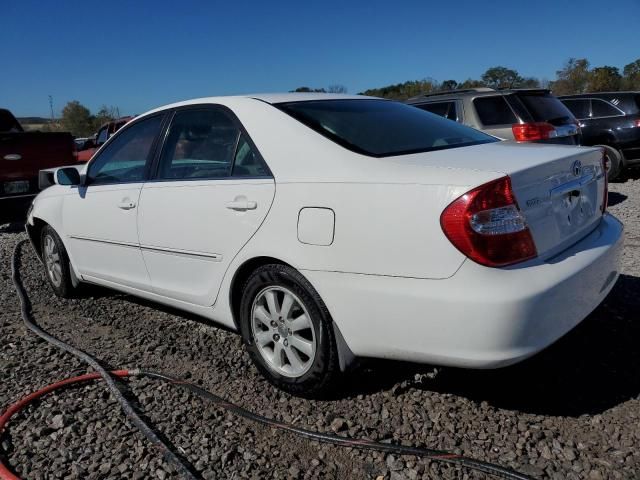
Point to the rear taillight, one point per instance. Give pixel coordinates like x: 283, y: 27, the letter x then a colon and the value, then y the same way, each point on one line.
x: 487, y: 226
x: 638, y: 123
x: 605, y: 171
x: 528, y: 132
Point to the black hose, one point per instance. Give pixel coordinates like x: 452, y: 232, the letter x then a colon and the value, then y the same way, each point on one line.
x: 127, y: 408
x: 366, y: 444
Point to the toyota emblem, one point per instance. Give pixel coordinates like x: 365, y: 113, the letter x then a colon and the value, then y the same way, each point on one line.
x: 577, y: 168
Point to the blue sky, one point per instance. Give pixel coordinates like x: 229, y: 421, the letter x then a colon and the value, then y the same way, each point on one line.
x: 140, y: 54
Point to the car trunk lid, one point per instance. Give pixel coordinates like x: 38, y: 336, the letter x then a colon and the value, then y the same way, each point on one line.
x: 562, y: 199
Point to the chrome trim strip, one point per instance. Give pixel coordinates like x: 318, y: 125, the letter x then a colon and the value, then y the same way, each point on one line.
x: 171, y: 251
x: 211, y: 256
x: 110, y: 242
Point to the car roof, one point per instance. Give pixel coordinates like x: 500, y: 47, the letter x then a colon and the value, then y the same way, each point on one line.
x: 469, y: 92
x: 270, y: 98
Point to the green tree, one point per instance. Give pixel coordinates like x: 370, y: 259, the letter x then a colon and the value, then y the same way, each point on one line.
x: 529, y: 82
x: 104, y: 115
x: 501, y: 77
x: 402, y: 91
x: 472, y: 83
x: 604, y: 79
x: 77, y: 119
x: 448, y: 85
x: 337, y: 88
x: 307, y: 89
x: 572, y: 78
x: 631, y: 79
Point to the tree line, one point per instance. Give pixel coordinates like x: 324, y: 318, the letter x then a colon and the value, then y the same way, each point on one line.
x: 78, y: 119
x: 575, y: 76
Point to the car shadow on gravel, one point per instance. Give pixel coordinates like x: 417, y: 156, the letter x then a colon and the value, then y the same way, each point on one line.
x: 592, y: 369
x: 615, y: 198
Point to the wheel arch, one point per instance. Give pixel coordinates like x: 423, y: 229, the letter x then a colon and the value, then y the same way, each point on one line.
x: 346, y: 357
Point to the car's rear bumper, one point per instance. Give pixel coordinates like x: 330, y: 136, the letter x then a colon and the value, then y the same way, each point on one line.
x: 481, y: 317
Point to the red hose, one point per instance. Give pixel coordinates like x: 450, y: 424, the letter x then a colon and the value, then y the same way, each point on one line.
x: 5, y: 473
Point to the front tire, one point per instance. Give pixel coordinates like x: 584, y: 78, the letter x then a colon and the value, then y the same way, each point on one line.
x: 56, y: 263
x: 288, y: 332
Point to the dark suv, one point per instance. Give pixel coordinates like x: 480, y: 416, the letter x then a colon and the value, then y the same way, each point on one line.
x: 524, y: 115
x: 612, y: 120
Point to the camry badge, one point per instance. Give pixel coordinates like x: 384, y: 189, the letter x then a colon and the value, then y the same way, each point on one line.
x: 576, y: 168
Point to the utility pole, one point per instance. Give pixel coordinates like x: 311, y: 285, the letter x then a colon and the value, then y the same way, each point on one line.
x: 51, y: 107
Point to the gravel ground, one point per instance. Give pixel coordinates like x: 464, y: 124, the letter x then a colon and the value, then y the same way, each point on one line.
x: 572, y: 412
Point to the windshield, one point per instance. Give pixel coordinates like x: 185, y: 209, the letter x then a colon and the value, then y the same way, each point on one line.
x: 382, y: 128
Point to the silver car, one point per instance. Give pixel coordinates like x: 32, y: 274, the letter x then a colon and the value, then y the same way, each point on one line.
x: 524, y: 115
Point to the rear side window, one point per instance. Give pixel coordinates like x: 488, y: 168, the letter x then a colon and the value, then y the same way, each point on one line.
x: 494, y: 111
x: 444, y: 109
x: 247, y: 162
x: 200, y: 144
x: 382, y: 128
x: 579, y: 107
x: 126, y: 157
x: 544, y: 107
x: 600, y: 108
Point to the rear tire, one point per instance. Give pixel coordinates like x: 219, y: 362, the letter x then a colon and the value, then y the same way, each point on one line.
x: 56, y: 263
x: 288, y: 332
x: 615, y: 163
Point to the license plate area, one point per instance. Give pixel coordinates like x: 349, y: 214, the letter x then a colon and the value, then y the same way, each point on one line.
x: 12, y: 188
x: 575, y: 204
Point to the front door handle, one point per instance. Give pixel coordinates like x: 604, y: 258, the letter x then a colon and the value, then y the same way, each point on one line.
x: 241, y: 204
x: 126, y: 205
x: 13, y: 156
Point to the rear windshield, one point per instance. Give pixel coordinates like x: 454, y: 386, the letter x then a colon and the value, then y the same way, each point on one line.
x: 8, y: 123
x: 544, y: 107
x: 382, y: 128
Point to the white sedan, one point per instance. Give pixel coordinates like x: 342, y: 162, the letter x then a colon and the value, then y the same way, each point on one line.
x: 330, y: 227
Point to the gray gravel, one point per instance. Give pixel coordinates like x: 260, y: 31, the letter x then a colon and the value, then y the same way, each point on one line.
x: 571, y: 412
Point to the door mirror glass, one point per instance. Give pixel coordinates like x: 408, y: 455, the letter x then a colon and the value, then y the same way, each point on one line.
x: 68, y: 176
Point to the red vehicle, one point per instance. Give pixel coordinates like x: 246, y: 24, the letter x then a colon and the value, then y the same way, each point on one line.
x: 22, y: 156
x: 102, y: 136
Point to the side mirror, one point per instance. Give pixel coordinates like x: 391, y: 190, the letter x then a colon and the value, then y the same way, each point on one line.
x: 68, y: 176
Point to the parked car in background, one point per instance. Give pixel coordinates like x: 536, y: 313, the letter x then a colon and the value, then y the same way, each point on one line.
x: 326, y: 227
x: 81, y: 142
x: 103, y: 134
x: 22, y: 156
x: 524, y: 115
x: 611, y: 120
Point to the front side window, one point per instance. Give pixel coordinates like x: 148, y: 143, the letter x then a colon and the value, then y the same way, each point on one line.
x: 126, y: 157
x: 494, y: 111
x: 579, y: 107
x: 200, y: 144
x: 600, y: 108
x: 381, y: 128
x: 444, y: 109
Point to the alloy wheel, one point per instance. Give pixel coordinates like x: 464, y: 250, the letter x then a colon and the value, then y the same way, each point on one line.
x: 282, y: 331
x: 52, y: 260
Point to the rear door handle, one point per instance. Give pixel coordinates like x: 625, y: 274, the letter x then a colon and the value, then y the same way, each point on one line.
x: 127, y: 205
x: 241, y: 204
x: 12, y: 156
